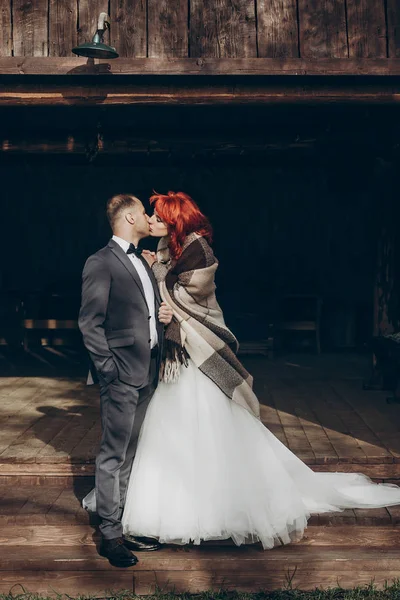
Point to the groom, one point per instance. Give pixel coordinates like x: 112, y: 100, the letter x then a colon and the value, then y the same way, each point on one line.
x: 121, y: 320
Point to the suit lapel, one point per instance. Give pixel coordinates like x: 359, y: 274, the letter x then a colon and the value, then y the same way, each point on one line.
x: 153, y: 282
x: 123, y: 257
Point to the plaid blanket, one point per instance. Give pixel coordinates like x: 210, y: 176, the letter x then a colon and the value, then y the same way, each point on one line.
x: 198, y: 328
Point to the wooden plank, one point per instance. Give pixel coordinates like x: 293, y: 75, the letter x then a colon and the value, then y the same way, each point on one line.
x: 378, y: 473
x: 323, y: 29
x: 372, y: 516
x: 202, y: 93
x: 346, y: 517
x: 63, y: 27
x: 209, y: 559
x: 223, y: 29
x: 72, y: 434
x: 322, y: 447
x: 88, y: 14
x: 167, y: 26
x: 270, y: 416
x: 6, y: 42
x: 346, y: 447
x: 294, y: 433
x: 67, y: 470
x: 30, y: 27
x: 87, y: 448
x: 129, y: 27
x: 65, y: 508
x: 277, y: 29
x: 9, y: 385
x: 381, y: 419
x: 393, y: 19
x: 374, y: 450
x: 12, y: 499
x: 203, y: 66
x: 366, y: 28
x: 39, y: 502
x: 84, y: 468
x: 35, y: 430
x: 196, y: 582
x: 90, y: 584
x: 19, y: 412
x: 73, y: 583
x: 394, y: 512
x: 334, y: 537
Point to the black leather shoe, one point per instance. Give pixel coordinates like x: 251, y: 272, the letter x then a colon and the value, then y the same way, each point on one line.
x: 117, y: 553
x: 142, y: 543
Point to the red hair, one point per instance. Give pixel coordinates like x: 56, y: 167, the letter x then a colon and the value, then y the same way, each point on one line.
x: 182, y: 216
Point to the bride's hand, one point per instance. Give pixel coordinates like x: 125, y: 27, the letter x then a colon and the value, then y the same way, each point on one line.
x: 150, y: 257
x: 165, y: 313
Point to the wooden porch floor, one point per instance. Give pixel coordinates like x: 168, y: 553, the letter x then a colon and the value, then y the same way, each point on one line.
x: 313, y: 404
x: 49, y: 431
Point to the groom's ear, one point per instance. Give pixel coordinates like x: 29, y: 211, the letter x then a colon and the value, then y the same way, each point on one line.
x: 130, y: 217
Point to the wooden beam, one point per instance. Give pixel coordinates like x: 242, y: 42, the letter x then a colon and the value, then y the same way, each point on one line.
x: 277, y: 30
x: 203, y: 91
x: 200, y: 66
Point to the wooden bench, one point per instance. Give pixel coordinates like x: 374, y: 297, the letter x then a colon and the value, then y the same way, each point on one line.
x: 293, y: 308
x: 48, y: 328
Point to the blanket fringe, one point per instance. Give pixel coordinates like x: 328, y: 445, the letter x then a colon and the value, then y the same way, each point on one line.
x: 170, y: 371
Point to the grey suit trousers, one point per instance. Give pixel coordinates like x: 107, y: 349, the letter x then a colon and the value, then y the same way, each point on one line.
x: 123, y: 408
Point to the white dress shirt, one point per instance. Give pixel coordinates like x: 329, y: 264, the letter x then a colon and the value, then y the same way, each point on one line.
x: 147, y: 286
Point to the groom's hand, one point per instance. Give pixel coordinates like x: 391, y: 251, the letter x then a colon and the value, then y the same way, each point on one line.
x: 165, y: 313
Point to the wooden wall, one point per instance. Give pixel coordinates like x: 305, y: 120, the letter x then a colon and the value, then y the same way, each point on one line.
x: 206, y: 28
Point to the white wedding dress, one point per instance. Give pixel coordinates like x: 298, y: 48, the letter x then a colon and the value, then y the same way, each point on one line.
x: 206, y: 469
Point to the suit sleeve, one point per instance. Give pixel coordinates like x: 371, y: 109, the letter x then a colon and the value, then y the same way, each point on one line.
x: 96, y: 282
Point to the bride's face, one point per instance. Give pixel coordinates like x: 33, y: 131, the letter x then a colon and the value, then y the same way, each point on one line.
x: 157, y: 227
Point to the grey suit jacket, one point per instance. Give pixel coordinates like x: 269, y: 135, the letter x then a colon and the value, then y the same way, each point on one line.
x: 114, y: 316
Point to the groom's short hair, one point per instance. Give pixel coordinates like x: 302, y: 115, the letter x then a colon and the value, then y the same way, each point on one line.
x: 118, y: 203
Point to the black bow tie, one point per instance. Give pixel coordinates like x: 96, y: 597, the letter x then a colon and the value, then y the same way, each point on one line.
x: 133, y: 250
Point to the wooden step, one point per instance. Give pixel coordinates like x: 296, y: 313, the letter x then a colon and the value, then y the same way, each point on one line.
x: 78, y: 535
x: 50, y: 501
x: 48, y: 546
x: 78, y: 569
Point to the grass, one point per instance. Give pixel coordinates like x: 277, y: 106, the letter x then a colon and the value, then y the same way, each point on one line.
x: 370, y: 592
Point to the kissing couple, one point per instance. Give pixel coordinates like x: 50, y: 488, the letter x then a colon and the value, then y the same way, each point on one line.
x: 184, y: 457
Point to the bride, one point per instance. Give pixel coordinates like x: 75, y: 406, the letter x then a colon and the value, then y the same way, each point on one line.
x: 206, y: 468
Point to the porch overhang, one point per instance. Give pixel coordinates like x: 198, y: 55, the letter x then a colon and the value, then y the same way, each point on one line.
x: 52, y: 81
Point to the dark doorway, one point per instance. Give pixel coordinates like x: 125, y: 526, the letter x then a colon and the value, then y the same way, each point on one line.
x: 295, y: 195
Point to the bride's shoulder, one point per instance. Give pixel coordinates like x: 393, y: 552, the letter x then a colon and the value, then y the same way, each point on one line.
x: 197, y: 245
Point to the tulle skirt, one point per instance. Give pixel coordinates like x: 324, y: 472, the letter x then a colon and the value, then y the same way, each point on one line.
x: 206, y: 469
